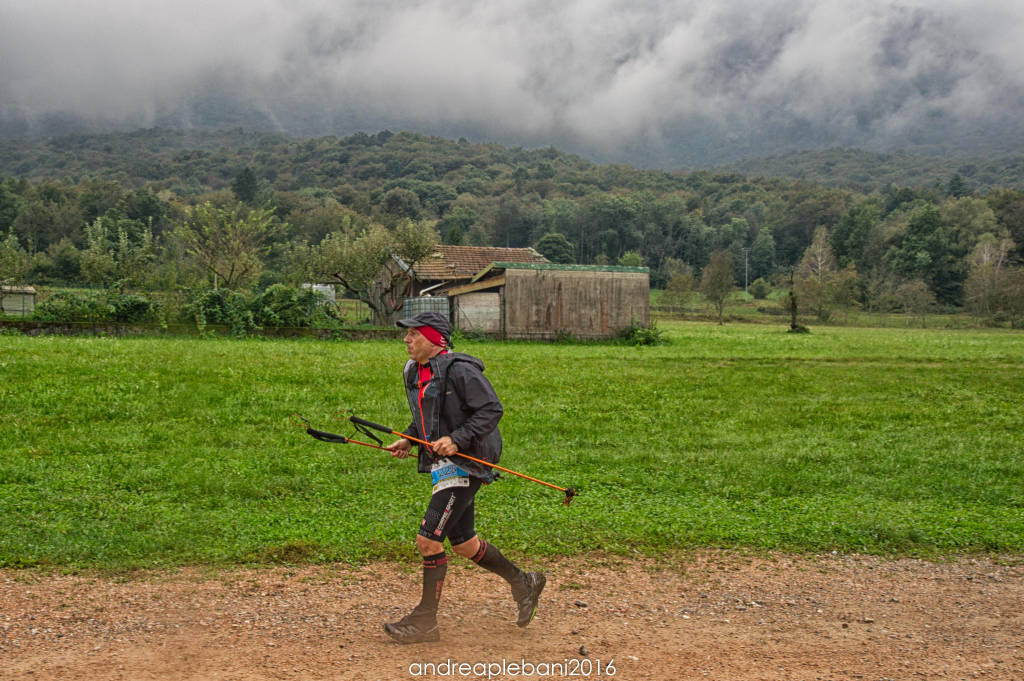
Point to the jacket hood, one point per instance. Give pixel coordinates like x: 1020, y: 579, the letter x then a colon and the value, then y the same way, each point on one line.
x: 444, y: 361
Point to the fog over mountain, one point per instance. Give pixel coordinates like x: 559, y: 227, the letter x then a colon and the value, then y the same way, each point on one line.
x: 648, y: 82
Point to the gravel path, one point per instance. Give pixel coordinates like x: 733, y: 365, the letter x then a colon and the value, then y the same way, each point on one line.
x: 719, y: 616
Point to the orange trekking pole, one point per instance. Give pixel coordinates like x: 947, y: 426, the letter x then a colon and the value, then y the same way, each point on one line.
x: 568, y: 491
x: 361, y: 424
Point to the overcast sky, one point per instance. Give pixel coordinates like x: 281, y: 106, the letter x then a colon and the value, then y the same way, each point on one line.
x: 599, y: 76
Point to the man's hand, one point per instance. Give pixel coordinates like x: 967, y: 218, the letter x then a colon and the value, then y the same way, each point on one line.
x: 444, y: 446
x: 400, y: 449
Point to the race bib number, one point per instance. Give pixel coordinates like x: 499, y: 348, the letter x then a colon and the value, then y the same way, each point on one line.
x: 444, y: 474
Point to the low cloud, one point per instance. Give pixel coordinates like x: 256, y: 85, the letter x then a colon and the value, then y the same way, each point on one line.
x: 656, y: 79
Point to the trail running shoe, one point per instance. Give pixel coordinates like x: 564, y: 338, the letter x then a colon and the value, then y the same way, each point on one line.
x: 527, y: 596
x: 413, y: 630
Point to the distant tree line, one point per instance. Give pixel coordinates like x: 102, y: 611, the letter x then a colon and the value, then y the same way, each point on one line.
x: 166, y: 210
x: 866, y: 171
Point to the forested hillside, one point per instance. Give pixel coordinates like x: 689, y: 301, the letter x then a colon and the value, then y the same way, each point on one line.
x: 866, y: 171
x: 85, y: 207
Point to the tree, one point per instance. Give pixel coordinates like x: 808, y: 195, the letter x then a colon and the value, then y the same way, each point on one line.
x: 879, y: 290
x: 631, y: 259
x: 118, y: 250
x: 733, y: 236
x: 229, y: 245
x: 10, y: 206
x: 762, y: 254
x: 967, y: 221
x: 374, y: 264
x: 555, y: 247
x: 455, y: 226
x: 296, y: 261
x: 1008, y: 206
x: 401, y: 203
x: 558, y: 215
x: 916, y: 299
x: 818, y: 282
x: 605, y: 223
x: 97, y: 197
x: 46, y: 217
x: 14, y: 261
x: 14, y: 264
x: 957, y: 186
x: 513, y: 221
x: 793, y: 307
x: 61, y: 263
x: 314, y: 218
x: 679, y: 289
x: 97, y: 258
x: 926, y: 252
x: 850, y: 237
x: 716, y: 281
x: 245, y: 185
x: 1012, y: 295
x: 794, y: 219
x: 984, y: 285
x: 520, y: 176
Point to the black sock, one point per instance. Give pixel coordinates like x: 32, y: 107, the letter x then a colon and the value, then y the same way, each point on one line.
x: 489, y: 557
x: 434, y: 569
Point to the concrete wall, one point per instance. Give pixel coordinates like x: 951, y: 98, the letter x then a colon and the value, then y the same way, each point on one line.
x: 478, y: 312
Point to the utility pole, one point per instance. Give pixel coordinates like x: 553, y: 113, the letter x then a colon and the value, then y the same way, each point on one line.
x: 746, y: 268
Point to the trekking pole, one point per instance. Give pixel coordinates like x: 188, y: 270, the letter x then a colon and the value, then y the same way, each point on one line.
x: 360, y: 424
x: 324, y: 436
x: 569, y: 492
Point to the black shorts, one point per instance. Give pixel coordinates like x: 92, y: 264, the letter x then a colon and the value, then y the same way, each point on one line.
x: 450, y: 514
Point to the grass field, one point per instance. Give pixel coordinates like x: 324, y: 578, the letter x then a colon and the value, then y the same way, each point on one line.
x: 145, y: 452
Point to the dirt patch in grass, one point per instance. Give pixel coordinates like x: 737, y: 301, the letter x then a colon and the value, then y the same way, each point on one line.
x: 711, y: 615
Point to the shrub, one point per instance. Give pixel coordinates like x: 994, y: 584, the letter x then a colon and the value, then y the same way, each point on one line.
x: 65, y: 306
x: 111, y: 306
x: 129, y: 307
x: 637, y: 334
x: 280, y: 305
x: 219, y: 306
x: 283, y: 306
x: 760, y: 289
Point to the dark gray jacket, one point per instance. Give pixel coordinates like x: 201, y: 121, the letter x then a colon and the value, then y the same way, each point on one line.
x: 459, y: 402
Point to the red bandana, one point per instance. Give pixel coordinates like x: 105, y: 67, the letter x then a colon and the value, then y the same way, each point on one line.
x: 432, y: 335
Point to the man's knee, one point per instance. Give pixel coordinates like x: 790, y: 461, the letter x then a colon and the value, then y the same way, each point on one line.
x: 428, y: 547
x: 467, y: 549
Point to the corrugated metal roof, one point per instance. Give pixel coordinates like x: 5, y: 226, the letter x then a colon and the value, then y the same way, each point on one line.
x: 462, y: 262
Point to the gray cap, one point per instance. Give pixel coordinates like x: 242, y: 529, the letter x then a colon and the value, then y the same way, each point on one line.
x: 435, y: 320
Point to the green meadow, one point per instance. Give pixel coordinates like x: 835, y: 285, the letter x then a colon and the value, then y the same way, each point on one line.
x: 117, y: 453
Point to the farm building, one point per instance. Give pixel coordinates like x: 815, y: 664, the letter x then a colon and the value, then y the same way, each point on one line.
x: 450, y: 266
x: 544, y: 300
x: 517, y: 293
x: 17, y: 300
x: 432, y: 276
x: 424, y: 286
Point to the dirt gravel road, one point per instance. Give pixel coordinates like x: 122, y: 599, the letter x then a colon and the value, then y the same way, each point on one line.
x: 716, y: 615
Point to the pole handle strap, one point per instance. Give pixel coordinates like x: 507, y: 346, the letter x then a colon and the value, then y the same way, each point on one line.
x: 326, y: 437
x: 370, y: 424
